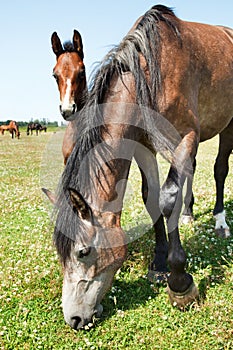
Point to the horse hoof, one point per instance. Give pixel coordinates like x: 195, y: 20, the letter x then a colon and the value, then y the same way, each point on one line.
x: 222, y: 232
x: 158, y: 277
x: 186, y: 219
x: 181, y: 300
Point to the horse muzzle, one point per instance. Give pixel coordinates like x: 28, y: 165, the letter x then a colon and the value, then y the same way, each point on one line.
x: 84, y: 321
x: 68, y: 113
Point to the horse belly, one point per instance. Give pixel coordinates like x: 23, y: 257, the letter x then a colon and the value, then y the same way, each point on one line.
x: 215, y: 112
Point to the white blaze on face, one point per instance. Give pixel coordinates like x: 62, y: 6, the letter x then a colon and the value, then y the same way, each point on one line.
x: 67, y: 104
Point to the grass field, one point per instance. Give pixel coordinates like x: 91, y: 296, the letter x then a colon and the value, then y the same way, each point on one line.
x: 137, y: 315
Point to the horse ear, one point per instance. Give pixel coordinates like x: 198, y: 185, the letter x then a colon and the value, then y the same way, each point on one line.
x: 56, y: 44
x: 79, y: 204
x: 50, y: 196
x: 78, y: 45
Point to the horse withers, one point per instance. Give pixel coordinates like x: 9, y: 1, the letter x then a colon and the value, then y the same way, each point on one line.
x: 70, y: 75
x: 161, y: 91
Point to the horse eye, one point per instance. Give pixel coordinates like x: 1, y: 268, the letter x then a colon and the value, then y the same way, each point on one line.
x: 83, y: 252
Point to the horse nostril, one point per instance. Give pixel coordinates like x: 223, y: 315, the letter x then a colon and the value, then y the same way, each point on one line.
x: 76, y: 322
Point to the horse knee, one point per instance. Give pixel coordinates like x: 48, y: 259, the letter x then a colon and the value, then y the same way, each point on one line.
x: 167, y: 200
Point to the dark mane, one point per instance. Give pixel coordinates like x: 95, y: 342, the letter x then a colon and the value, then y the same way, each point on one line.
x: 144, y: 40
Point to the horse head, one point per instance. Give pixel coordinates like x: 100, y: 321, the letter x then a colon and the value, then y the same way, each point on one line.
x: 90, y: 260
x: 69, y: 73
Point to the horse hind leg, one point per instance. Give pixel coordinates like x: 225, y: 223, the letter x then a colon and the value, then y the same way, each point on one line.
x: 221, y: 169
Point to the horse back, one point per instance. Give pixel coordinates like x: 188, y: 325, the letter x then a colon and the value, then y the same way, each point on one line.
x: 228, y: 31
x: 197, y: 76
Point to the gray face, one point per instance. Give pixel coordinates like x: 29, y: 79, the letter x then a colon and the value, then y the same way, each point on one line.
x: 89, y: 272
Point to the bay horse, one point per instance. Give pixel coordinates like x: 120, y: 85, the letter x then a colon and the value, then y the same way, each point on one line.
x: 12, y: 127
x: 161, y: 91
x: 35, y: 126
x: 70, y: 75
x: 70, y: 67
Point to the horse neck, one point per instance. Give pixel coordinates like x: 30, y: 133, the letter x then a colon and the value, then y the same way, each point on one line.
x: 119, y: 136
x: 81, y: 95
x: 107, y: 175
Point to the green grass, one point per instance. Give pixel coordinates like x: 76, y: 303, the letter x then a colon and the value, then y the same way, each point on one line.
x: 137, y: 315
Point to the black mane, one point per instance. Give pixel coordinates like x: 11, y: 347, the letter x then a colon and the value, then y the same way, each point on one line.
x: 145, y: 39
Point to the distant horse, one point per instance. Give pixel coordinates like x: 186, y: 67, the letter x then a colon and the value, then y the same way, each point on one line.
x: 161, y: 91
x: 12, y: 127
x: 35, y: 126
x: 70, y: 76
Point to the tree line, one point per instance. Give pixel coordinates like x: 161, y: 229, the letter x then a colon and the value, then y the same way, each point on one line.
x: 43, y: 121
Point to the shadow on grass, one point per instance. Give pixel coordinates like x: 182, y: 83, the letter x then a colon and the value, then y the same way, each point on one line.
x: 128, y: 296
x: 131, y: 289
x: 209, y: 253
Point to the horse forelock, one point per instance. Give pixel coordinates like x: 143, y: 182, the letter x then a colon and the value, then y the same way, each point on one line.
x: 68, y: 46
x: 145, y: 40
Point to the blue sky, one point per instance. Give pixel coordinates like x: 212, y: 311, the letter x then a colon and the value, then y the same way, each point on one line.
x: 27, y: 88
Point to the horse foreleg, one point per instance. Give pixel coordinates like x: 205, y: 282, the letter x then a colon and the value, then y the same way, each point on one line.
x: 221, y: 169
x: 181, y: 288
x: 146, y: 161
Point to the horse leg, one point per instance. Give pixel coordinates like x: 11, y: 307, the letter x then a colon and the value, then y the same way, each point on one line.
x: 146, y: 161
x: 187, y: 215
x: 181, y: 288
x: 221, y: 169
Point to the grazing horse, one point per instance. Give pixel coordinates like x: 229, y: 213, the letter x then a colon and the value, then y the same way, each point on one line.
x: 69, y: 70
x: 160, y: 90
x: 35, y: 126
x: 70, y: 76
x: 12, y: 127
